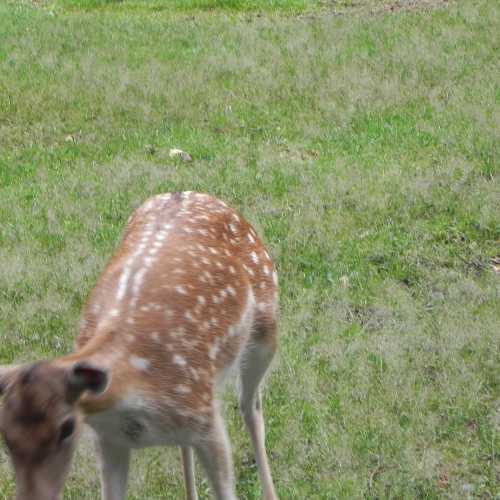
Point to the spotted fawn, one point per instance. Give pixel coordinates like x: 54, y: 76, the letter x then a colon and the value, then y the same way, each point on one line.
x: 189, y: 297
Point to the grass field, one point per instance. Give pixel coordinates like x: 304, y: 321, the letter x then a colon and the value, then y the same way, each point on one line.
x: 361, y: 138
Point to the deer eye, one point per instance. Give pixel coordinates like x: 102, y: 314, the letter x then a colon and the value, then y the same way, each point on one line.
x: 67, y: 429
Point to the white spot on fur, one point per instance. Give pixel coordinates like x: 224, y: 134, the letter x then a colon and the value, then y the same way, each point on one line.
x: 232, y: 270
x: 179, y: 360
x: 249, y: 270
x: 214, y: 349
x: 180, y: 289
x: 114, y: 312
x: 122, y: 284
x: 251, y: 238
x: 139, y: 363
x: 189, y: 343
x: 148, y: 205
x: 178, y: 332
x: 255, y: 258
x: 275, y: 277
x: 231, y: 290
x: 182, y: 389
x: 194, y: 373
x: 201, y: 300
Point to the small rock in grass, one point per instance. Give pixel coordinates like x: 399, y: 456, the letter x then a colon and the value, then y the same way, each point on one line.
x: 495, y: 264
x: 344, y: 281
x: 248, y: 460
x: 468, y: 488
x: 178, y: 153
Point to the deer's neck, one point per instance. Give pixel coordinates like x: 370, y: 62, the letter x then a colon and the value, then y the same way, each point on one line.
x: 105, y: 351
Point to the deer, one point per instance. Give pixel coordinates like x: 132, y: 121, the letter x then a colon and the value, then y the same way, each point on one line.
x: 189, y: 297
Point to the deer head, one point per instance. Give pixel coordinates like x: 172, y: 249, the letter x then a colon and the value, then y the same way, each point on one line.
x: 40, y: 419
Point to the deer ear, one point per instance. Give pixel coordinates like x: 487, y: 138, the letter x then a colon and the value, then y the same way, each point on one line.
x: 83, y: 376
x: 7, y: 375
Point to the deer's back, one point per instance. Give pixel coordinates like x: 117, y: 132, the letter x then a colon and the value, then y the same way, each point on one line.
x: 175, y: 306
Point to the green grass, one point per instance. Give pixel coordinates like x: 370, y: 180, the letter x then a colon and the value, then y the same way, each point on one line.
x: 189, y: 5
x: 365, y: 148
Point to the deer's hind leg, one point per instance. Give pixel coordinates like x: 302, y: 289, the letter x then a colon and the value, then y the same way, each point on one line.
x: 255, y: 362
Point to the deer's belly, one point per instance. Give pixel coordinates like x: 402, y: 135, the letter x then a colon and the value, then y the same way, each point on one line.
x: 135, y: 429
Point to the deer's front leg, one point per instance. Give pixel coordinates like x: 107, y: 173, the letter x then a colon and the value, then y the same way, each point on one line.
x: 214, y: 453
x: 189, y: 476
x: 114, y: 463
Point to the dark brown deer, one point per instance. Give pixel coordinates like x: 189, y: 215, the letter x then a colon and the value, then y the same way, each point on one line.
x: 190, y: 293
